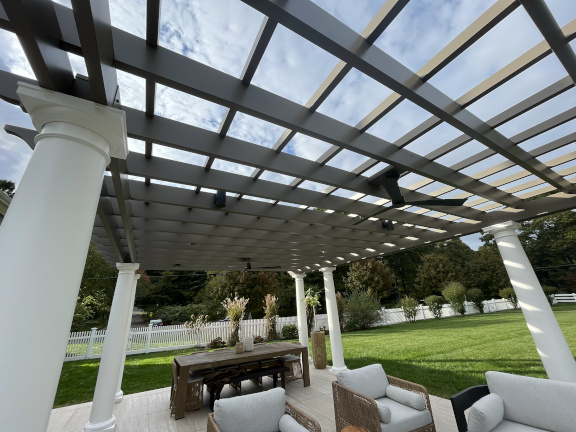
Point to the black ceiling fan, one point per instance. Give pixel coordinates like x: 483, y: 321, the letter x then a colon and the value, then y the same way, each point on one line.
x: 389, y: 181
x: 248, y: 266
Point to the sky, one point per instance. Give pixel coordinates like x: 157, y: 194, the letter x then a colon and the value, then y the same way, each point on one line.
x: 220, y: 34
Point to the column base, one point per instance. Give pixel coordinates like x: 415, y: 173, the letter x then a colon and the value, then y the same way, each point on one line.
x: 106, y: 426
x: 119, y: 396
x: 333, y: 369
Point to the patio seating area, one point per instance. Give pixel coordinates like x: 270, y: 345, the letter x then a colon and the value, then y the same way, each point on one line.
x: 150, y: 412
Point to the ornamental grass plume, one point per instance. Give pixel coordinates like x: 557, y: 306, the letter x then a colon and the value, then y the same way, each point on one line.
x: 271, y: 311
x: 235, y: 309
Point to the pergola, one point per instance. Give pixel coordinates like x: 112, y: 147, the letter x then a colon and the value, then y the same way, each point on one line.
x: 187, y: 196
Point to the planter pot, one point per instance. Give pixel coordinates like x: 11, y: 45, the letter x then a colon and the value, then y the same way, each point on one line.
x: 319, y: 349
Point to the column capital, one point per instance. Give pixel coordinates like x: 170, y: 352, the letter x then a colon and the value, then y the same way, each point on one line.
x: 502, y: 229
x: 297, y: 275
x: 327, y: 269
x: 47, y: 106
x: 127, y: 267
x: 137, y: 276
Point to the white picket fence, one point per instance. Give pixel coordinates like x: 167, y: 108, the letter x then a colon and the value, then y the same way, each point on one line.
x: 565, y: 298
x: 88, y: 344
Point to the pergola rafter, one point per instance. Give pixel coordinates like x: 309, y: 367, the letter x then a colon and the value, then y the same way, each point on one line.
x: 141, y: 207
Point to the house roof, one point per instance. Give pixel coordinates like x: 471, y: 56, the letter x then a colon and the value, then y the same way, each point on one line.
x: 289, y: 180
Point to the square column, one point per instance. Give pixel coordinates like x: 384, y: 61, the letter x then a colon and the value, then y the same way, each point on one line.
x: 44, y: 240
x: 301, y: 308
x: 101, y: 417
x: 333, y: 321
x: 552, y: 347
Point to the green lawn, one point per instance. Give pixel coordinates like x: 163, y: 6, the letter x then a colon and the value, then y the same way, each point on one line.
x: 451, y: 354
x: 445, y: 355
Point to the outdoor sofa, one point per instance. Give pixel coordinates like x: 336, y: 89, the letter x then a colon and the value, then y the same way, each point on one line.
x: 514, y: 403
x: 266, y: 411
x: 367, y: 397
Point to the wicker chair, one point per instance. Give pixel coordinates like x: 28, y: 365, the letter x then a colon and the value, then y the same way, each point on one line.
x: 354, y: 409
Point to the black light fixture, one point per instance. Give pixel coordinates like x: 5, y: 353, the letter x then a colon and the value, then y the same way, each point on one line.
x: 220, y: 199
x: 248, y: 266
x: 388, y: 225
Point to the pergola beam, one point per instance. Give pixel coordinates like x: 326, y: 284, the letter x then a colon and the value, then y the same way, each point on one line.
x: 322, y: 29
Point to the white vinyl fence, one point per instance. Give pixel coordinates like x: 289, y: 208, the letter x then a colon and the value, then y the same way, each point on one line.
x: 88, y: 344
x: 565, y: 298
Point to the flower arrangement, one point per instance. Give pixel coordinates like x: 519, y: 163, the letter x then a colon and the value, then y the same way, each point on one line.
x: 312, y: 301
x: 271, y: 311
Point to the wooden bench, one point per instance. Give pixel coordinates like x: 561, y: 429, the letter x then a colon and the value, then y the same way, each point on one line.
x: 235, y: 377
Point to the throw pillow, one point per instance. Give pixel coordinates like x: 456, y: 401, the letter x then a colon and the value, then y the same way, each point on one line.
x: 369, y: 380
x: 486, y: 413
x: 289, y: 424
x: 384, y: 412
x: 240, y: 414
x: 406, y: 397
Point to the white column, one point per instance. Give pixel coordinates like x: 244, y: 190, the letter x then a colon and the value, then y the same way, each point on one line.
x: 333, y: 321
x: 555, y: 353
x: 301, y: 308
x: 119, y: 392
x: 101, y: 417
x: 44, y: 243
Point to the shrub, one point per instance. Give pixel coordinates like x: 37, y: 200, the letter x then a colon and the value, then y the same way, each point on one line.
x: 216, y: 343
x: 409, y: 306
x: 290, y: 331
x: 455, y: 293
x: 476, y: 296
x: 510, y: 295
x: 549, y: 291
x: 363, y: 309
x: 350, y: 327
x: 435, y: 303
x: 258, y: 339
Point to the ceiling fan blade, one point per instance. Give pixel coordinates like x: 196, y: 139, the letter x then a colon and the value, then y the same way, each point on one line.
x: 390, y: 184
x: 439, y: 202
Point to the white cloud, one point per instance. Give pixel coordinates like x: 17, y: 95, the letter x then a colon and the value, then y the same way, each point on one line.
x: 424, y: 27
x: 218, y: 34
x: 185, y: 108
x: 13, y: 58
x: 399, y: 121
x: 306, y: 147
x: 254, y: 130
x: 292, y: 67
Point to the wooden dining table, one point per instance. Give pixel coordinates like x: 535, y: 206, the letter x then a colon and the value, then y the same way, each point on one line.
x: 228, y: 357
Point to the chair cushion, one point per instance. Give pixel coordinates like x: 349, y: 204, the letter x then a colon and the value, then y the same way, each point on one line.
x: 508, y: 426
x: 404, y: 418
x: 406, y: 397
x: 245, y: 413
x: 369, y: 380
x: 289, y: 424
x: 384, y: 412
x: 486, y: 413
x: 537, y: 402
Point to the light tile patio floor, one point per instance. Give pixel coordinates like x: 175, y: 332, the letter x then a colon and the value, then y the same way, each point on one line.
x: 149, y: 411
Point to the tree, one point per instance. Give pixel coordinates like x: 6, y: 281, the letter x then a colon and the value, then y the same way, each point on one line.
x: 486, y: 272
x: 404, y: 266
x: 458, y: 252
x: 433, y: 274
x: 372, y: 276
x: 550, y: 243
x: 7, y: 187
